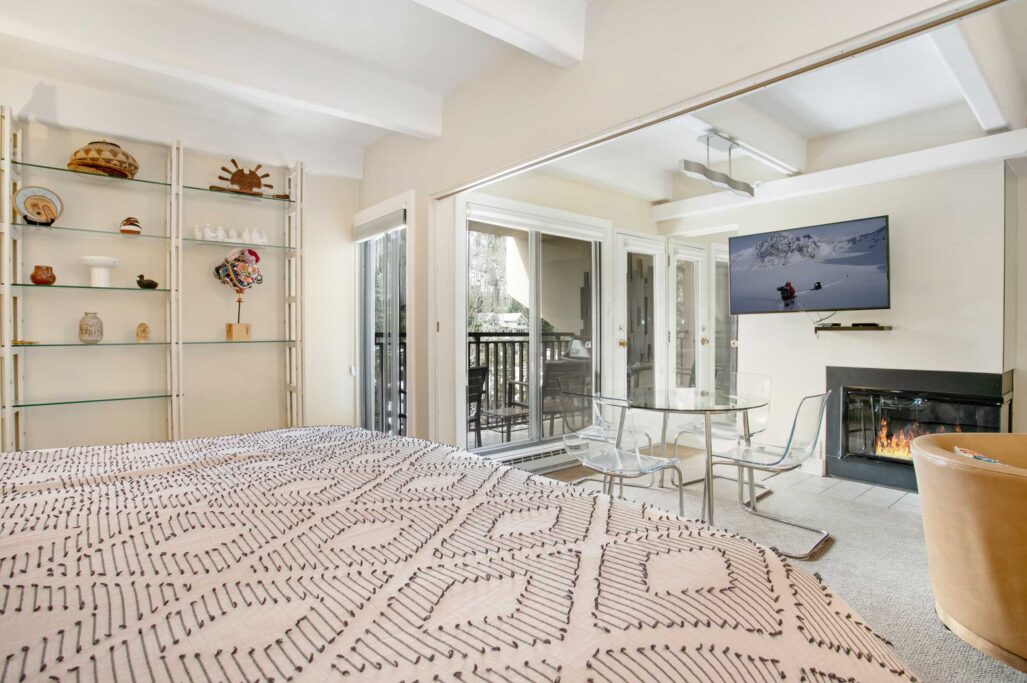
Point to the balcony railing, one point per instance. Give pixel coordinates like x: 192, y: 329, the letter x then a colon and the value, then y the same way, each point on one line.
x: 506, y: 355
x: 379, y: 378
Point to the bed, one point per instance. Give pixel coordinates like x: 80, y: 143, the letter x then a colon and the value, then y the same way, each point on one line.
x: 334, y: 553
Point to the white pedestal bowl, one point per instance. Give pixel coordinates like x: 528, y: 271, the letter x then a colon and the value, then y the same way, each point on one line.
x: 100, y: 269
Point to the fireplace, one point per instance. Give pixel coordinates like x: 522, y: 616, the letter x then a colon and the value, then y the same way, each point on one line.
x: 875, y: 414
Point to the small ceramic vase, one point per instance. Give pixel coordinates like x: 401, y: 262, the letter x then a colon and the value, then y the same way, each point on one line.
x: 90, y: 329
x: 131, y: 226
x: 142, y: 333
x: 43, y: 275
x: 247, y: 236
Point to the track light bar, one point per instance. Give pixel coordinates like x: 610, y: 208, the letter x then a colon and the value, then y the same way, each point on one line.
x: 698, y: 171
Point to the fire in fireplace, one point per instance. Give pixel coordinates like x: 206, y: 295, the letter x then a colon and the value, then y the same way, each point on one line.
x: 898, y: 444
x: 875, y: 413
x: 883, y: 423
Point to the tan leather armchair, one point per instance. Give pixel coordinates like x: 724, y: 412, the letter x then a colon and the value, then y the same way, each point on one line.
x: 975, y: 523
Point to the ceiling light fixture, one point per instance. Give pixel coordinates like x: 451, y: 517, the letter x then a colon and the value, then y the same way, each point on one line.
x: 698, y: 171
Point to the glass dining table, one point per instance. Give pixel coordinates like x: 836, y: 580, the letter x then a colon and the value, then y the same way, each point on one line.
x: 687, y: 402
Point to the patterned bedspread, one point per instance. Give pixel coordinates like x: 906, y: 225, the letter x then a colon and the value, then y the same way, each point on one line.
x: 339, y: 554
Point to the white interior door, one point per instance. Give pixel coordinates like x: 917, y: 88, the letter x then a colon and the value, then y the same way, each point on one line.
x: 640, y: 321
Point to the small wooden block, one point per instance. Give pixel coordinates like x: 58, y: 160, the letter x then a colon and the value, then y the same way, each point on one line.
x: 238, y: 331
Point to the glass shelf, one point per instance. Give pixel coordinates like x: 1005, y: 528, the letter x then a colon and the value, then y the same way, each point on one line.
x: 116, y: 289
x: 85, y: 231
x: 43, y: 167
x: 239, y: 195
x: 252, y: 341
x: 193, y: 240
x: 63, y: 344
x: 89, y: 400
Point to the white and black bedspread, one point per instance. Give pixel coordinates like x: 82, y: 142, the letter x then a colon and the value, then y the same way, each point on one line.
x: 338, y: 554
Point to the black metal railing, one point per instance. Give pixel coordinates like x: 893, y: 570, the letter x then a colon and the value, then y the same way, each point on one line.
x: 379, y: 377
x: 506, y: 355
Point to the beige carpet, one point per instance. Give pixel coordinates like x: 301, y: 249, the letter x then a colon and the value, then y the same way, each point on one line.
x: 876, y: 562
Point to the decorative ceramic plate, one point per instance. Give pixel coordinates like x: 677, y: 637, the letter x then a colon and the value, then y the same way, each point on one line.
x: 38, y: 205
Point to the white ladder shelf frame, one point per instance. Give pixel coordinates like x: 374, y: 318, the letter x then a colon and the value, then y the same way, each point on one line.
x: 12, y: 381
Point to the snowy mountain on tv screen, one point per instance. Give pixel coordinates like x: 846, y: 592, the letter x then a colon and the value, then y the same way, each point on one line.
x: 837, y: 266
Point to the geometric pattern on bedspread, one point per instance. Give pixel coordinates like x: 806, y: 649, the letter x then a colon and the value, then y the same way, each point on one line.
x: 333, y: 553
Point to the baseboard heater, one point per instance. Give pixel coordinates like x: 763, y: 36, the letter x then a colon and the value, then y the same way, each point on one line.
x: 538, y: 462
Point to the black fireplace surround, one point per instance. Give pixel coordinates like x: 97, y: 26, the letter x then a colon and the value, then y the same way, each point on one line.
x: 874, y: 413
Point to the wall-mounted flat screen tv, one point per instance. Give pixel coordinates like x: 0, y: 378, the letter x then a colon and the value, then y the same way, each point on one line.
x: 831, y: 267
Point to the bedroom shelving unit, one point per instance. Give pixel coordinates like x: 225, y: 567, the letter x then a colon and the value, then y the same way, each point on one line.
x: 188, y: 380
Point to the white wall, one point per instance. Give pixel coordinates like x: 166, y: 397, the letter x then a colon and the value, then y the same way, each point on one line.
x: 1011, y: 207
x: 946, y: 243
x: 330, y: 292
x: 640, y: 58
x: 1020, y: 374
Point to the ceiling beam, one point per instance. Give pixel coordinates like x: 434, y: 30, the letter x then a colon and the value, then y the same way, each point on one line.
x: 216, y: 52
x: 957, y: 155
x: 553, y: 30
x: 978, y: 58
x: 127, y: 117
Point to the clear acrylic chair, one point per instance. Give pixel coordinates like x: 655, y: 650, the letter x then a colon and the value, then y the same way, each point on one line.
x: 611, y: 445
x: 802, y: 442
x: 730, y: 427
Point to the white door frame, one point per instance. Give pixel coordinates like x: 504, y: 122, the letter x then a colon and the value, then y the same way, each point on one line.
x: 718, y: 253
x: 522, y: 215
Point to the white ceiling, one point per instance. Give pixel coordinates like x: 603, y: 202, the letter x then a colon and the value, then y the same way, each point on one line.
x: 397, y: 38
x: 981, y: 68
x: 903, y: 79
x: 315, y: 80
x: 643, y: 163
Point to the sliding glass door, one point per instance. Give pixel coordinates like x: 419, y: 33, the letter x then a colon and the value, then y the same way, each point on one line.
x: 531, y: 321
x: 383, y: 333
x: 567, y: 271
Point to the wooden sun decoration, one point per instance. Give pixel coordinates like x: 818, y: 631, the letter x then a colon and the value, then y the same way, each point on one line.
x: 246, y: 181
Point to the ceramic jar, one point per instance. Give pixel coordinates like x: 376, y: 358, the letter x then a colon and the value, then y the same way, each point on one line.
x: 90, y: 329
x: 43, y: 275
